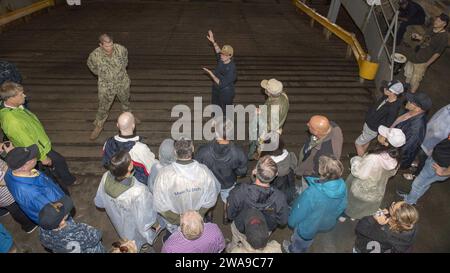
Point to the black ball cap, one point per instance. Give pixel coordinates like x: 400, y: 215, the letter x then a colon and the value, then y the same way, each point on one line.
x: 51, y: 215
x: 18, y: 156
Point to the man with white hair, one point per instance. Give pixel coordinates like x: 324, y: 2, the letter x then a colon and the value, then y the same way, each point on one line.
x: 195, y: 236
x: 109, y: 62
x: 141, y: 155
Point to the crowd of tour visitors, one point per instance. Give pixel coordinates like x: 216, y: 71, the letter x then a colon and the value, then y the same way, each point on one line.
x: 173, y: 195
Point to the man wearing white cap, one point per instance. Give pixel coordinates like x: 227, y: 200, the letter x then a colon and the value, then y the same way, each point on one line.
x: 223, y: 76
x: 383, y: 112
x: 278, y: 103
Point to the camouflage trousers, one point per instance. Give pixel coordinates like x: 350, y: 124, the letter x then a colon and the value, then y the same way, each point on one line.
x: 106, y: 95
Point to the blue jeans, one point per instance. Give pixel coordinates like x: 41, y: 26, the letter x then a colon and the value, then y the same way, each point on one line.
x: 298, y: 244
x: 423, y: 182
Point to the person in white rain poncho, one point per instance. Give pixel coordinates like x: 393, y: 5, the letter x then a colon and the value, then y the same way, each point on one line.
x: 184, y: 185
x: 369, y: 174
x: 128, y: 203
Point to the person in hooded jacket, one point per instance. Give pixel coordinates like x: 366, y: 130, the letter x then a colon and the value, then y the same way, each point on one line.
x: 370, y: 174
x: 318, y: 207
x: 128, y: 203
x: 260, y: 195
x: 143, y: 159
x: 166, y: 156
x: 225, y: 159
x: 286, y: 164
x: 389, y: 231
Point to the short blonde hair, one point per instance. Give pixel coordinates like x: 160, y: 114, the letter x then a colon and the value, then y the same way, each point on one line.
x: 191, y: 223
x: 404, y: 217
x: 104, y: 37
x: 9, y: 89
x: 330, y: 168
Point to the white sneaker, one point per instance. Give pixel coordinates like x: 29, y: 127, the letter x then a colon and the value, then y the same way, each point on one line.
x: 342, y: 219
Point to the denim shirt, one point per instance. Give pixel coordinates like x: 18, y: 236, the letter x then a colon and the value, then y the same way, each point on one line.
x: 438, y: 129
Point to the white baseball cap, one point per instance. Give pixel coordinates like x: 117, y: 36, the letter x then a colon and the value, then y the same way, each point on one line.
x: 395, y: 87
x: 393, y: 135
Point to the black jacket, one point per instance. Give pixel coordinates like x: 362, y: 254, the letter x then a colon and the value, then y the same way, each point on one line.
x: 414, y: 130
x: 386, y: 115
x: 285, y: 180
x: 270, y: 201
x: 371, y: 237
x: 226, y: 161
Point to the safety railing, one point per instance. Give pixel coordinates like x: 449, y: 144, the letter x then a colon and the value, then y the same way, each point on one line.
x: 367, y: 69
x: 22, y: 12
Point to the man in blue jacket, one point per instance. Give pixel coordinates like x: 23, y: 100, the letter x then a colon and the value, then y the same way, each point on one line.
x: 31, y: 189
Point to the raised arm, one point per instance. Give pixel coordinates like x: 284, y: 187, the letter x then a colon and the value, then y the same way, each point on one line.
x: 210, y: 38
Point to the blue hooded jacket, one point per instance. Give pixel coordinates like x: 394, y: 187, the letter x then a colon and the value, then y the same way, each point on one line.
x: 318, y: 207
x: 33, y: 193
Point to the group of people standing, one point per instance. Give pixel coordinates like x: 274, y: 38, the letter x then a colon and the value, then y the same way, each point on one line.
x: 177, y: 191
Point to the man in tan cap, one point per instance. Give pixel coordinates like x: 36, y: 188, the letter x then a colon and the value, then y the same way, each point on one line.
x: 223, y: 76
x: 275, y: 97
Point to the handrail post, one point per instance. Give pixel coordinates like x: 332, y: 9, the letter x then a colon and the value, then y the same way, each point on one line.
x: 311, y: 23
x: 327, y: 33
x: 349, y: 48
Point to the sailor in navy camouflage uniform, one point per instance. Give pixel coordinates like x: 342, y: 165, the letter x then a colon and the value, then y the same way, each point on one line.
x: 59, y: 233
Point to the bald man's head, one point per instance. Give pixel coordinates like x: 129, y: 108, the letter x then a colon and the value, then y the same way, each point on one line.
x: 319, y: 126
x: 126, y: 123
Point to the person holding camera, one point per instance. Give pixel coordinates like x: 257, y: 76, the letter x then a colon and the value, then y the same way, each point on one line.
x: 370, y: 174
x: 431, y: 46
x: 390, y: 230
